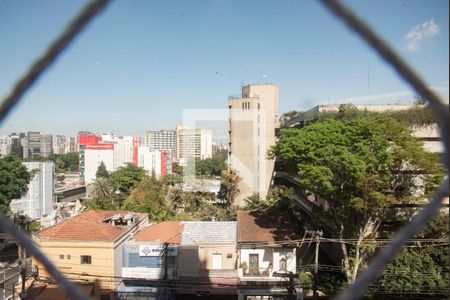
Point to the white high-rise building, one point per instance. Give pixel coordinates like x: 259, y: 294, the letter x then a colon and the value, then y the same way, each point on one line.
x: 153, y: 161
x: 114, y: 151
x: 94, y: 155
x: 39, y: 200
x: 59, y: 144
x: 161, y: 140
x: 193, y: 143
x: 70, y: 145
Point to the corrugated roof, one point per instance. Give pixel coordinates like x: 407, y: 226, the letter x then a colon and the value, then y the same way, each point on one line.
x: 88, y: 226
x: 264, y: 227
x: 165, y: 232
x: 208, y: 232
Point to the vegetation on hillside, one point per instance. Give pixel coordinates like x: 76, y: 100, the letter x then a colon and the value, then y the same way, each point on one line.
x: 359, y: 166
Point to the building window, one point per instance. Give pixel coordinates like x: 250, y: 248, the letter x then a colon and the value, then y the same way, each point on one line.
x: 61, y: 256
x: 243, y: 105
x: 86, y: 259
x: 283, y: 264
x: 259, y: 106
x: 68, y: 256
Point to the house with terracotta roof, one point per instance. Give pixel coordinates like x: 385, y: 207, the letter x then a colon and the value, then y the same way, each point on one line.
x: 207, y: 256
x: 151, y: 255
x: 186, y: 258
x: 267, y: 246
x: 88, y: 247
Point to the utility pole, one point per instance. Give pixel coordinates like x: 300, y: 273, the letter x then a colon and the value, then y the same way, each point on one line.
x: 165, y: 253
x: 318, y: 236
x: 291, y: 287
x: 23, y: 273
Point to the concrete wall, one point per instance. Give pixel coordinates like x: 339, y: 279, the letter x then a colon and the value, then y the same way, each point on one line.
x: 102, y: 260
x: 193, y: 261
x: 93, y: 158
x: 253, y: 120
x: 228, y: 252
x: 188, y: 261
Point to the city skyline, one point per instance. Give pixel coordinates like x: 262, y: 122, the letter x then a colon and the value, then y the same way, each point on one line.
x: 140, y: 64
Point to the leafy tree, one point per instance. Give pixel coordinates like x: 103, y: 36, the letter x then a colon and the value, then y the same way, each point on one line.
x: 14, y: 179
x: 102, y: 189
x: 279, y: 199
x: 149, y: 196
x: 126, y: 177
x: 101, y: 171
x: 176, y: 199
x: 229, y: 188
x: 68, y: 162
x: 60, y: 177
x: 358, y: 168
x: 172, y: 179
x: 102, y: 195
x: 177, y: 169
x: 211, y: 167
x: 424, y: 266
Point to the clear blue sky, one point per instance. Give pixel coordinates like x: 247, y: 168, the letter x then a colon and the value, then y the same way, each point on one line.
x: 142, y: 62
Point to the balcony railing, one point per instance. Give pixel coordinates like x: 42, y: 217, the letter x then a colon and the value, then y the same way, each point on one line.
x: 261, y: 272
x: 219, y: 273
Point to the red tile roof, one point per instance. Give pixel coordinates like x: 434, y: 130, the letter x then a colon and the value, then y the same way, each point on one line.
x: 88, y: 226
x: 264, y: 227
x: 165, y: 232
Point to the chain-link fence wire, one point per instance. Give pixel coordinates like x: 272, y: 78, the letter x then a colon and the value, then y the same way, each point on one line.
x: 357, y: 289
x: 367, y: 34
x: 73, y: 29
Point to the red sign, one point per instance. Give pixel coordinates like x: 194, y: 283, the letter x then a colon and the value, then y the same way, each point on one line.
x: 83, y: 140
x: 99, y: 147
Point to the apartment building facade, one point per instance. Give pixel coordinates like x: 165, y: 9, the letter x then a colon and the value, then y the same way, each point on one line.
x: 192, y: 144
x: 253, y: 119
x: 161, y: 140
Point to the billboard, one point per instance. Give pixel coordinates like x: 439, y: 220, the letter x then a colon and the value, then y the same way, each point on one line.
x: 156, y: 250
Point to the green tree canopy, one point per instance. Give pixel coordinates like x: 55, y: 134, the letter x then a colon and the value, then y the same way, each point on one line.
x: 149, y: 196
x: 358, y: 168
x: 423, y: 266
x: 68, y: 162
x: 102, y: 172
x: 211, y: 167
x: 229, y: 187
x: 126, y: 177
x: 14, y: 179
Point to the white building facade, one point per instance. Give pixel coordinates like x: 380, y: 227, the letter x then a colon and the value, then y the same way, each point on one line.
x: 193, y: 143
x: 39, y: 200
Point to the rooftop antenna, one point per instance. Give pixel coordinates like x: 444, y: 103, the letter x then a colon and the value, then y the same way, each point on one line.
x: 263, y: 76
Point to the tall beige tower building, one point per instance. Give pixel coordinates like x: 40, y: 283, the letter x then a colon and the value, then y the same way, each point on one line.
x: 253, y: 120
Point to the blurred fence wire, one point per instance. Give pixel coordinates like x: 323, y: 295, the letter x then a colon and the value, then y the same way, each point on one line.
x: 363, y: 281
